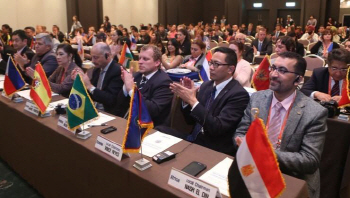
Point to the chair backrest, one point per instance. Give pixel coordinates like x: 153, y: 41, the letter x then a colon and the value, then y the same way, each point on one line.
x: 220, y: 39
x: 273, y: 48
x: 224, y: 44
x: 248, y: 40
x: 310, y: 46
x: 250, y: 37
x: 304, y: 42
x: 341, y: 46
x: 313, y: 61
x: 273, y: 55
x: 213, y: 44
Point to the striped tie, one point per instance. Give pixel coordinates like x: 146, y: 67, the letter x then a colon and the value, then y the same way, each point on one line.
x: 275, y: 124
x: 335, y: 89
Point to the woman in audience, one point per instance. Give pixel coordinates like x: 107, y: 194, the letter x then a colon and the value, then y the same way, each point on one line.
x: 90, y: 38
x: 347, y: 45
x: 107, y: 25
x: 125, y: 32
x: 342, y: 34
x: 185, y: 42
x: 243, y: 70
x: 195, y: 60
x: 321, y: 48
x: 228, y: 34
x: 284, y: 44
x: 157, y: 41
x: 334, y: 32
x: 61, y: 81
x: 77, y: 37
x: 172, y: 58
x: 76, y: 24
x: 200, y: 36
x: 115, y: 46
x: 6, y: 34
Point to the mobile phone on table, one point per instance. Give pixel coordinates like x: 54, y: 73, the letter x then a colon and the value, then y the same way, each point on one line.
x: 194, y: 168
x: 108, y: 130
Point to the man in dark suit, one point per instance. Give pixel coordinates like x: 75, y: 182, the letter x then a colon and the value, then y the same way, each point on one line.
x: 219, y: 105
x: 23, y: 54
x: 262, y: 45
x: 326, y: 83
x: 250, y: 30
x: 153, y: 84
x: 44, y: 54
x: 295, y: 124
x: 106, y: 82
x: 277, y: 33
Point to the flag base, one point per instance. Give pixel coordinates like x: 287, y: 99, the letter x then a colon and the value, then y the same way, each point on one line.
x: 83, y: 135
x: 17, y: 99
x: 46, y: 114
x: 142, y: 164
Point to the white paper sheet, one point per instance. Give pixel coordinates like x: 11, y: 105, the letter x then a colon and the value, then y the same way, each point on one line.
x: 157, y: 142
x: 26, y: 94
x: 217, y: 176
x: 102, y: 119
x: 52, y: 105
x: 2, y: 77
x: 1, y: 84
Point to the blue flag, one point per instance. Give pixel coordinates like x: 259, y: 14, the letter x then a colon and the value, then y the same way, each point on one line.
x: 138, y: 125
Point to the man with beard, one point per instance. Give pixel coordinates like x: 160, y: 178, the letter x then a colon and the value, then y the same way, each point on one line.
x: 295, y: 123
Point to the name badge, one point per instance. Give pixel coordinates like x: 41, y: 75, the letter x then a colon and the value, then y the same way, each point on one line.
x: 109, y: 147
x: 63, y: 122
x: 191, y: 185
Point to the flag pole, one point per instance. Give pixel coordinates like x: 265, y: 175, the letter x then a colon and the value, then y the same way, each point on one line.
x: 140, y: 143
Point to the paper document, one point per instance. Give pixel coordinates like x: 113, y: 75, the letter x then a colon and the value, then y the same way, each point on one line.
x: 103, y: 118
x: 2, y: 77
x: 217, y: 176
x: 26, y: 94
x: 52, y: 105
x: 1, y: 84
x: 157, y: 142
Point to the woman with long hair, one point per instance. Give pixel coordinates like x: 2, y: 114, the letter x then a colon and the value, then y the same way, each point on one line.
x: 196, y: 59
x: 184, y: 40
x: 68, y: 60
x: 172, y: 58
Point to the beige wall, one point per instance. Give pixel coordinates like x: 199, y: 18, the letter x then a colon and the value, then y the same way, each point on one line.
x: 21, y: 13
x: 131, y: 12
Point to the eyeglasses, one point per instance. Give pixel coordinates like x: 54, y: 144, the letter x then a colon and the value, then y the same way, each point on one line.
x: 339, y: 69
x: 216, y: 64
x: 280, y: 70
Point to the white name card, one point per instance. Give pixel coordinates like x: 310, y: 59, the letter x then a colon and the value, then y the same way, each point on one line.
x: 109, y: 147
x: 191, y: 185
x: 32, y: 108
x: 63, y: 122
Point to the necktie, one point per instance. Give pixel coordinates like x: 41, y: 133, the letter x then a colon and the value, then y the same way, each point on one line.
x: 276, y: 34
x: 335, y: 89
x: 100, y: 80
x: 143, y: 82
x: 259, y: 47
x: 275, y: 124
x: 99, y: 86
x: 198, y: 128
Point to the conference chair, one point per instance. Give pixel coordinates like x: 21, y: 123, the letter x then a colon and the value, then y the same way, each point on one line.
x: 304, y: 42
x: 310, y: 46
x: 273, y: 48
x: 273, y: 55
x: 313, y: 61
x: 223, y: 44
x: 177, y: 119
x: 220, y: 39
x: 248, y: 40
x: 213, y: 44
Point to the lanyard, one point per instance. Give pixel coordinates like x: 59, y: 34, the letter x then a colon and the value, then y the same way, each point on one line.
x: 283, y: 123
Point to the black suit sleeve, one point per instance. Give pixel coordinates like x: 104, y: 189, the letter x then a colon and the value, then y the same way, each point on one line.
x: 268, y: 48
x: 230, y: 115
x: 248, y: 54
x: 317, y: 82
x: 314, y: 49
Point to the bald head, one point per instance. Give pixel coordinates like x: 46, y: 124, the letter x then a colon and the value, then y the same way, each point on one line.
x: 101, y: 55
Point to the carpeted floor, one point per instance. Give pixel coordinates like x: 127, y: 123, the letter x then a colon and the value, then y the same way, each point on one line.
x: 19, y: 188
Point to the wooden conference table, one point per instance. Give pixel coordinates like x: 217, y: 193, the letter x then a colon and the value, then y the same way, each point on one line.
x: 58, y: 164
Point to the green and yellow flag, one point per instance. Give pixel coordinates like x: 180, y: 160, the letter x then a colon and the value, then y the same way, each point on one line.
x: 80, y: 106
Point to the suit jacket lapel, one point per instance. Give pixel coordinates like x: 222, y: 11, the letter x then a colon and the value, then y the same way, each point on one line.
x: 263, y: 107
x: 293, y: 120
x: 222, y: 93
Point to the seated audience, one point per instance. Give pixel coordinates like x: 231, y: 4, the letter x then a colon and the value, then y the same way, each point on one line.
x: 250, y: 30
x: 299, y: 150
x: 157, y: 41
x: 185, y: 43
x: 6, y: 34
x: 326, y: 83
x: 243, y: 71
x: 44, y: 54
x: 195, y: 60
x: 310, y: 35
x: 61, y: 81
x: 219, y: 105
x: 144, y: 37
x: 248, y: 53
x: 323, y: 47
x: 106, y: 82
x: 23, y: 54
x: 261, y: 44
x: 347, y: 45
x: 172, y: 58
x: 277, y: 33
x: 299, y: 48
x: 90, y: 37
x: 30, y: 32
x: 153, y: 84
x: 283, y: 44
x: 199, y: 35
x: 56, y: 33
